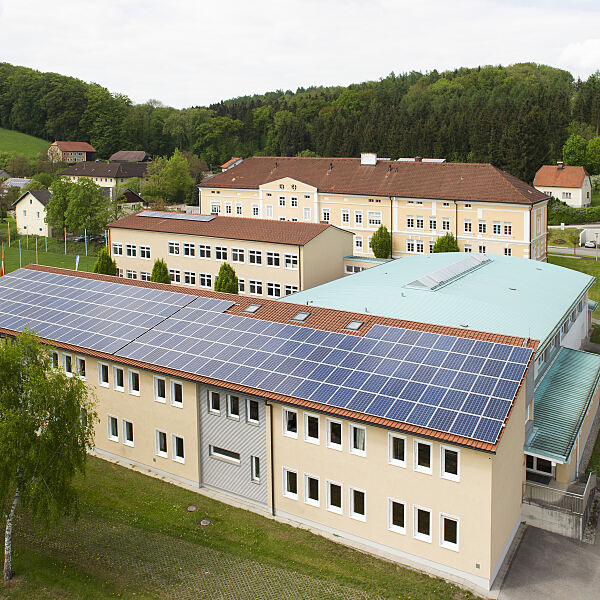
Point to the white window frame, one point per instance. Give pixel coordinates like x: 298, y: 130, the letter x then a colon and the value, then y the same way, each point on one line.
x: 433, y: 223
x: 345, y: 220
x: 221, y: 252
x: 127, y: 442
x: 273, y: 259
x: 281, y: 201
x: 173, y: 383
x: 248, y: 419
x: 273, y: 289
x: 420, y: 222
x: 269, y: 211
x: 65, y: 356
x: 285, y: 430
x: 204, y: 251
x: 205, y: 280
x: 468, y: 226
x: 445, y: 224
x: 290, y: 261
x: 238, y: 208
x: 231, y: 415
x: 353, y: 450
x: 307, y: 499
x: 286, y: 492
x: 237, y: 255
x: 326, y: 215
x: 374, y: 218
x: 211, y: 410
x: 331, y: 444
x: 115, y: 386
x: 391, y: 526
x: 175, y: 275
x: 190, y: 276
x: 443, y: 542
x: 391, y: 459
x: 145, y: 252
x: 254, y: 472
x: 443, y: 473
x: 306, y: 214
x: 111, y: 437
x: 290, y: 289
x: 254, y: 257
x: 255, y: 287
x: 130, y: 389
x: 307, y: 438
x: 117, y: 249
x: 176, y: 458
x: 173, y: 248
x: 358, y: 218
x: 100, y: 381
x: 417, y: 467
x: 330, y: 507
x: 358, y: 242
x: 189, y: 249
x: 507, y: 229
x: 416, y: 534
x: 131, y: 250
x: 214, y: 452
x: 255, y: 210
x: 157, y: 449
x: 155, y: 381
x: 353, y: 513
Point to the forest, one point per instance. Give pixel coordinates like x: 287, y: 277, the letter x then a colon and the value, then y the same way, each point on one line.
x: 517, y: 117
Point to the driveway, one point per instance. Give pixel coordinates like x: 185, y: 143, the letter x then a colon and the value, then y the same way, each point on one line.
x: 548, y: 566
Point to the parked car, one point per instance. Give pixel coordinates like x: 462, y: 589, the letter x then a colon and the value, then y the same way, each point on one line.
x: 590, y: 244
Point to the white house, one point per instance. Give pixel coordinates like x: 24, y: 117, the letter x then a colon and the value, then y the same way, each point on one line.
x: 569, y: 184
x: 30, y: 213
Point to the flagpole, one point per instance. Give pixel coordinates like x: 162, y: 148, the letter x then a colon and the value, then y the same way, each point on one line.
x: 2, y: 264
x: 20, y: 262
x: 36, y: 252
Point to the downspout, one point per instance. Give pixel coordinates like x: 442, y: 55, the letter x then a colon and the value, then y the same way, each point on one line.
x: 272, y: 461
x: 391, y: 228
x: 300, y: 286
x: 456, y: 219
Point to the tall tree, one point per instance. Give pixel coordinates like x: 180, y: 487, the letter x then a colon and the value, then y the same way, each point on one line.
x: 381, y: 242
x: 88, y: 207
x: 58, y: 204
x: 169, y: 179
x: 46, y: 428
x: 574, y: 150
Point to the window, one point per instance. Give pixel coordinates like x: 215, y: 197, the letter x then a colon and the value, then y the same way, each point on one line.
x: 238, y: 209
x: 482, y: 227
x: 214, y: 403
x: 255, y: 257
x: 228, y: 210
x: 177, y: 394
x: 129, y: 274
x: 432, y: 223
x: 117, y: 248
x: 281, y: 186
x: 507, y: 251
x: 118, y: 379
x: 127, y: 433
x: 290, y: 483
x: 268, y: 211
x: 255, y: 287
x: 301, y: 316
x: 507, y: 228
x: 334, y: 497
x: 450, y: 463
x: 294, y: 202
x: 273, y: 289
x: 220, y: 253
x: 290, y: 261
x: 205, y: 280
x: 175, y: 275
x: 326, y: 215
x: 189, y: 249
x: 134, y: 382
x: 203, y: 251
x: 113, y: 429
x: 358, y: 218
x: 396, y: 516
x: 449, y: 532
x: 468, y: 248
x: 55, y: 361
x: 311, y: 490
x: 281, y: 200
x: 468, y: 226
x: 306, y: 213
x: 233, y: 407
x: 431, y: 246
x: 130, y: 250
x: 422, y: 524
x: 68, y: 364
x: 103, y: 374
x: 410, y: 245
x: 420, y: 224
x: 173, y: 248
x: 290, y: 422
x: 467, y: 206
x: 215, y: 207
x: 374, y: 218
x: 445, y: 224
x: 496, y: 228
x: 410, y: 222
x: 311, y: 428
x: 160, y: 389
x: 237, y: 255
x: 241, y: 286
x: 482, y: 249
x: 358, y: 440
x: 334, y: 434
x: 345, y: 216
x: 252, y: 411
x: 358, y: 242
x: 566, y: 195
x: 161, y: 443
x: 420, y: 246
x: 294, y: 186
x: 354, y: 325
x: 145, y: 252
x: 423, y: 457
x: 255, y: 469
x: 178, y: 452
x: 353, y: 269
x: 255, y: 212
x: 224, y: 454
x: 358, y: 504
x: 272, y: 259
x: 397, y: 450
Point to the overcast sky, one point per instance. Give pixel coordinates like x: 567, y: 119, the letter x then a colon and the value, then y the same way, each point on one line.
x: 194, y: 52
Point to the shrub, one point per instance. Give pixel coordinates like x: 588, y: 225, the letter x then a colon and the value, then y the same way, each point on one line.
x: 160, y: 272
x: 105, y: 264
x: 226, y: 280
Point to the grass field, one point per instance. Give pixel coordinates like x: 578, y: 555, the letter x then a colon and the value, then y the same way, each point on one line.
x: 559, y: 237
x: 595, y: 196
x: 591, y: 267
x: 15, y: 142
x: 135, y: 539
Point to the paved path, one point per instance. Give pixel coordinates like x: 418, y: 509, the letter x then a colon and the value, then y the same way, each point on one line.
x: 548, y: 566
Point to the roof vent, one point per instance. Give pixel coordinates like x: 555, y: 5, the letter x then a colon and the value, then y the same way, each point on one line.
x: 560, y: 164
x: 354, y: 325
x: 252, y: 308
x: 368, y: 159
x: 418, y: 159
x: 301, y: 316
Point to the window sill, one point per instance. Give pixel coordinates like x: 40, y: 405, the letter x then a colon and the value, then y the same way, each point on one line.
x: 161, y: 455
x: 336, y: 510
x: 291, y: 496
x: 290, y: 435
x: 423, y: 470
x: 177, y: 404
x: 422, y: 538
x: 179, y: 460
x: 130, y: 444
x: 104, y: 385
x: 395, y: 529
x: 113, y: 439
x: 450, y: 477
x: 134, y: 393
x: 314, y: 503
x: 314, y: 441
x: 397, y: 463
x: 160, y: 400
x: 337, y: 447
x: 449, y: 546
x: 357, y: 517
x: 119, y: 389
x: 358, y: 452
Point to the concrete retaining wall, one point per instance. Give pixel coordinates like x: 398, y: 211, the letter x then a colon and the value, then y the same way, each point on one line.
x: 555, y: 521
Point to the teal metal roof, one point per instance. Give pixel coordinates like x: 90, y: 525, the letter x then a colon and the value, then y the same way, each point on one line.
x: 372, y: 259
x: 507, y: 295
x: 560, y: 403
x: 592, y: 305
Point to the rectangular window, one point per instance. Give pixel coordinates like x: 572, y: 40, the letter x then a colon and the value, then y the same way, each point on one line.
x: 422, y: 524
x: 397, y: 450
x: 507, y: 228
x: 178, y: 451
x: 358, y: 242
x: 173, y: 248
x: 189, y: 277
x: 445, y: 224
x: 566, y: 195
x: 290, y: 261
x: 241, y: 285
x: 311, y: 429
x: 177, y: 394
x: 290, y: 422
x: 233, y: 407
x: 273, y: 289
x: 189, y: 249
x: 214, y: 403
x: 255, y: 287
x: 397, y: 516
x: 281, y: 200
x: 482, y: 249
x: 345, y: 216
x: 374, y: 218
x: 130, y: 250
x: 255, y: 257
x: 175, y: 275
x: 358, y: 218
x: 224, y: 454
x: 238, y: 209
x: 431, y: 246
x: 334, y: 497
x: 255, y: 469
x: 450, y: 463
x: 134, y: 383
x: 237, y: 255
x: 220, y: 253
x: 358, y: 504
x: 507, y: 251
x: 205, y: 280
x: 294, y: 202
x: 420, y: 223
x: 117, y: 248
x: 496, y: 228
x: 129, y: 274
x: 203, y: 251
x: 468, y: 248
x: 410, y: 245
x: 482, y: 227
x: 449, y: 532
x: 145, y: 252
x: 161, y: 443
x: 127, y: 433
x: 468, y: 226
x: 103, y: 374
x: 118, y: 379
x: 291, y: 289
x: 228, y: 210
x: 311, y: 490
x: 269, y: 211
x: 252, y: 411
x: 306, y: 213
x: 334, y: 434
x: 423, y: 457
x: 326, y: 215
x: 113, y: 429
x: 215, y: 208
x: 290, y: 483
x: 255, y: 212
x: 68, y: 364
x: 410, y: 222
x: 420, y: 246
x: 432, y: 223
x: 358, y: 440
x: 55, y: 361
x: 272, y: 259
x: 160, y: 389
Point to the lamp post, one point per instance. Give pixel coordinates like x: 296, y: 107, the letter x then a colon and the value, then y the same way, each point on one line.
x: 597, y: 233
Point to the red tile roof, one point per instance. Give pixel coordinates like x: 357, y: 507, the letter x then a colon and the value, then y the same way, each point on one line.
x: 554, y: 176
x: 230, y: 162
x: 320, y: 318
x: 74, y: 146
x: 443, y: 181
x: 236, y: 228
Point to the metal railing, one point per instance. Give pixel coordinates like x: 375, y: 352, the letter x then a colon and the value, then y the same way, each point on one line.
x: 561, y: 500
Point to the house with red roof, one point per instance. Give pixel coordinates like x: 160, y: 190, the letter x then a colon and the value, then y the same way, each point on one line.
x: 70, y: 152
x: 568, y: 183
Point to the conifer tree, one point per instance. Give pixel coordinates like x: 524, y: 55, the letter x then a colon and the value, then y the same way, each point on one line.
x: 105, y: 264
x: 160, y: 272
x: 381, y: 243
x: 226, y: 280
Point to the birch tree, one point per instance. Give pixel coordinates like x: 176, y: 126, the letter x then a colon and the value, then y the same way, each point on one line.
x: 46, y: 427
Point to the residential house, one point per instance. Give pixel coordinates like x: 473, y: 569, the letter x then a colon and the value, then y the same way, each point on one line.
x: 30, y: 213
x: 567, y: 183
x: 71, y: 152
x: 232, y: 162
x: 130, y: 156
x: 270, y: 258
x: 107, y: 175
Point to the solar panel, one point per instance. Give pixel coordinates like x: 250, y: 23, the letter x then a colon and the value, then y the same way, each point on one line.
x: 180, y: 216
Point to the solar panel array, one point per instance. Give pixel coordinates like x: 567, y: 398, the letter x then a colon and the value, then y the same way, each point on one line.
x: 181, y: 216
x: 443, y: 276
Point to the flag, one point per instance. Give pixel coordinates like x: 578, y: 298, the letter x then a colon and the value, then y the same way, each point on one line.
x: 2, y: 265
x: 77, y: 262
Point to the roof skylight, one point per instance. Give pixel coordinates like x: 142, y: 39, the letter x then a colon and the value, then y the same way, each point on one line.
x: 354, y: 325
x: 252, y: 308
x: 445, y: 275
x: 301, y: 316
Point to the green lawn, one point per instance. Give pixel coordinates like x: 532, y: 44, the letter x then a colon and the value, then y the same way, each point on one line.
x: 559, y: 237
x: 15, y: 142
x: 154, y: 548
x: 595, y: 196
x: 591, y: 267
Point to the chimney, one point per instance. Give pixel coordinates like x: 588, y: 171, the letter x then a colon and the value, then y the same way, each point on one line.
x: 368, y: 159
x: 418, y: 159
x: 560, y: 165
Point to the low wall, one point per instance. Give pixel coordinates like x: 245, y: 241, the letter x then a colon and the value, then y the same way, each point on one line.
x: 563, y: 523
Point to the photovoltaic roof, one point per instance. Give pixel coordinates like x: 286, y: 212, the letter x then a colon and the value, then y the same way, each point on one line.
x: 450, y: 384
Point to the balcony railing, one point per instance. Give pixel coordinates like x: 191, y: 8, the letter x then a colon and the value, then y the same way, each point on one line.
x: 560, y: 500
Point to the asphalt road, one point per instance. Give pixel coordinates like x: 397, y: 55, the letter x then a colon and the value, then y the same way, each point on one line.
x: 568, y: 251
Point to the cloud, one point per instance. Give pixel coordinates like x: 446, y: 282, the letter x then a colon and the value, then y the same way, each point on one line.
x: 581, y: 57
